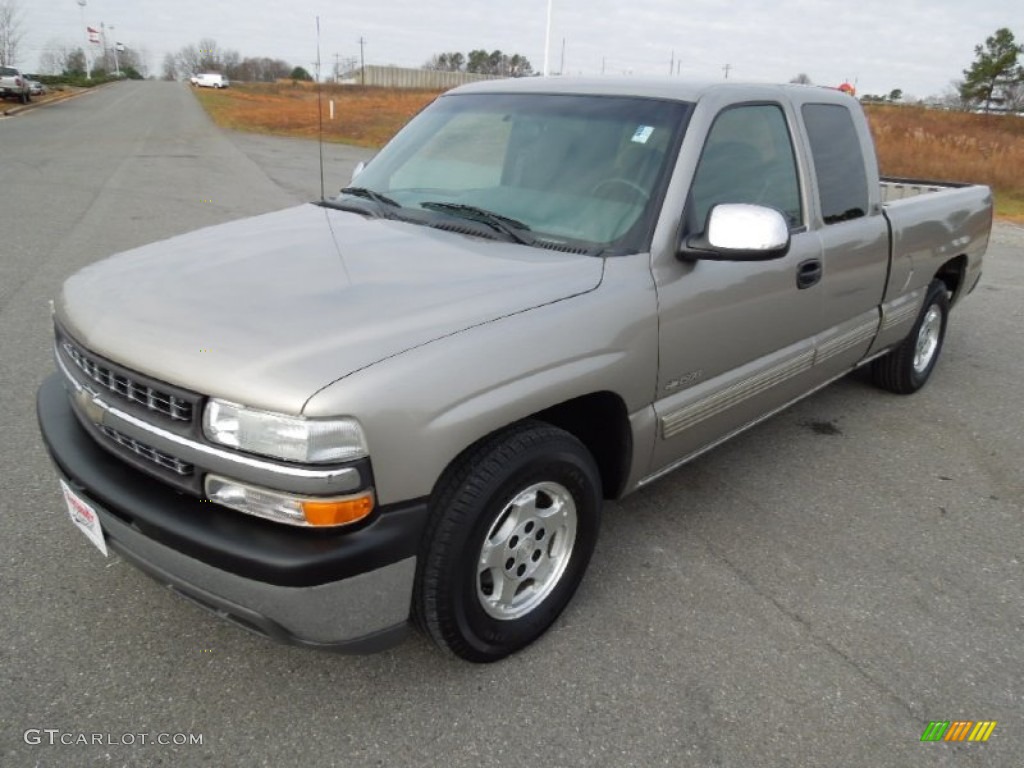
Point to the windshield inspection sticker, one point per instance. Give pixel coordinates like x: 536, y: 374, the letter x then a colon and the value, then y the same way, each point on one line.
x: 643, y: 133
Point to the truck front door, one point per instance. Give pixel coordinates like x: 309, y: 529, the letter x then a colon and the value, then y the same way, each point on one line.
x: 736, y: 339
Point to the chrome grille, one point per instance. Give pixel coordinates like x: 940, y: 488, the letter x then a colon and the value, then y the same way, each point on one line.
x: 176, y: 408
x: 159, y: 458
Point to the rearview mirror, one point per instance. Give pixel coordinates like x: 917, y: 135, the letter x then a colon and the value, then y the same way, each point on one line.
x: 739, y: 232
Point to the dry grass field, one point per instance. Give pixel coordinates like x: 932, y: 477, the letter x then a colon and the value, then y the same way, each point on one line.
x: 953, y: 146
x: 367, y: 117
x: 912, y: 142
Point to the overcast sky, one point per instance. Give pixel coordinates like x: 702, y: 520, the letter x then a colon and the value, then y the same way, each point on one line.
x: 918, y: 46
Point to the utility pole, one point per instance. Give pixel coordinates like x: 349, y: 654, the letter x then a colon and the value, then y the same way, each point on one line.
x: 561, y: 67
x: 362, y: 60
x: 602, y: 65
x: 337, y: 67
x: 672, y: 62
x: 726, y: 68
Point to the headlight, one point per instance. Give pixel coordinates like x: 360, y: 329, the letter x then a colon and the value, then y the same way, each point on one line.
x: 292, y: 438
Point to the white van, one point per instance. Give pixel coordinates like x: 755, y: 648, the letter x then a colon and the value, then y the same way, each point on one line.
x: 209, y: 80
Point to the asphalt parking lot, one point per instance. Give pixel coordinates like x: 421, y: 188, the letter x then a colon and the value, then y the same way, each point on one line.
x: 812, y: 593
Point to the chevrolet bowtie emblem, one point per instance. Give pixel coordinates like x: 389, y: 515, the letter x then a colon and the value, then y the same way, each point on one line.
x: 90, y: 405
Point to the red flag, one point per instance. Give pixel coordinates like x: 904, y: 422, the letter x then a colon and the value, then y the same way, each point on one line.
x: 94, y: 34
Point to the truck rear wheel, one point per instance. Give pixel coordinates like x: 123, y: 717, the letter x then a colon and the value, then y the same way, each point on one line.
x: 513, y: 525
x: 907, y: 367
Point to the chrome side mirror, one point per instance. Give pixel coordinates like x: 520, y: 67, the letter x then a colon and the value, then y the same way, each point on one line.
x: 360, y: 167
x: 740, y: 232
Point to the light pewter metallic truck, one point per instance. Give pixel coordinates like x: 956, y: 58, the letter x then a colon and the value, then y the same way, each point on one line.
x: 406, y: 403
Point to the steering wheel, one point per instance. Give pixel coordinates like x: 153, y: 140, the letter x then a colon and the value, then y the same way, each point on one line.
x: 631, y: 185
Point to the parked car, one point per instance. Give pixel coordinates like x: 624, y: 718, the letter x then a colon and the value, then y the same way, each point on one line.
x: 542, y: 293
x: 209, y: 80
x: 14, y: 85
x: 36, y: 88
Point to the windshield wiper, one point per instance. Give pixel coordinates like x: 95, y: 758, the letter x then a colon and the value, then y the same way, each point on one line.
x: 369, y: 194
x: 513, y: 228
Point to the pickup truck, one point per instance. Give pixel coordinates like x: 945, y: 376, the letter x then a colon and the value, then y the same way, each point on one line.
x: 404, y: 405
x: 14, y: 85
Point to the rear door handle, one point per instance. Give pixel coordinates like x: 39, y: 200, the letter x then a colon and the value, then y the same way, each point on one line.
x: 808, y: 273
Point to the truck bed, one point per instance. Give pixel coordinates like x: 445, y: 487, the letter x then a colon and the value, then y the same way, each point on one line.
x: 894, y: 188
x: 931, y: 223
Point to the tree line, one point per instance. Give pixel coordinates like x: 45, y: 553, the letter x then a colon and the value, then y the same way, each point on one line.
x: 208, y: 56
x: 62, y: 58
x: 482, y: 63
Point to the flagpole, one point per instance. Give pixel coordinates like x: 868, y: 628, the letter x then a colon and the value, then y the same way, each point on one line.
x: 85, y: 51
x: 547, y: 39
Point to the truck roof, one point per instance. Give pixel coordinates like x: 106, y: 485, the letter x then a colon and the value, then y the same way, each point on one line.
x: 647, y: 87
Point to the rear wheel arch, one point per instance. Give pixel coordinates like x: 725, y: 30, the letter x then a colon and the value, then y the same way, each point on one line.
x: 953, y: 275
x: 908, y: 366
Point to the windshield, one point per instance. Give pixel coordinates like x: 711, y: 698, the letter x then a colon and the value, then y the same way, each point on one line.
x: 586, y: 170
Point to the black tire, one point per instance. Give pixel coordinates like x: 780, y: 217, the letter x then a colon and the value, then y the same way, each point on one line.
x: 472, y: 506
x: 901, y: 370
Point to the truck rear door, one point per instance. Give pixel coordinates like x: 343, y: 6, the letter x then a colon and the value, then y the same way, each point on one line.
x: 847, y: 217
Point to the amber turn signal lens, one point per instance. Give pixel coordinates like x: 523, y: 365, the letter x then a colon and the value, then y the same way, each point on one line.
x: 338, y: 512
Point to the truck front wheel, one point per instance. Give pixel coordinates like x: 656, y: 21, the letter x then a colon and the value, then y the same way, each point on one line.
x: 513, y: 525
x: 906, y: 368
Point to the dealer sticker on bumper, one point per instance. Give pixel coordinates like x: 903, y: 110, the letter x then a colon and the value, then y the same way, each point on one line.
x: 85, y: 517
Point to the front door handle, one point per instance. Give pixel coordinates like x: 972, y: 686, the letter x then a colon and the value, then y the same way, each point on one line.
x: 808, y: 273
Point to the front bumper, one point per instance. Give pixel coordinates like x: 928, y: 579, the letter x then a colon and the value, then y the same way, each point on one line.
x: 343, y: 590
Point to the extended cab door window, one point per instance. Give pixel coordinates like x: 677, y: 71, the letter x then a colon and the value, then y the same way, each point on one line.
x: 855, y: 240
x: 838, y: 162
x: 747, y: 158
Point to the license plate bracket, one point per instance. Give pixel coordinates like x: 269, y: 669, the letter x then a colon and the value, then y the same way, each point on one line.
x: 84, y: 516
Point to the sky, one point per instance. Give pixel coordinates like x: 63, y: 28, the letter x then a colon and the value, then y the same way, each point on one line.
x: 918, y: 46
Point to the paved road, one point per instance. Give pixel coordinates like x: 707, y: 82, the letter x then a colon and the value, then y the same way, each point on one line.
x: 811, y: 594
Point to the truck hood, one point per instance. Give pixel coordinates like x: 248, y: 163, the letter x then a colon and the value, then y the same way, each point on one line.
x: 268, y: 310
